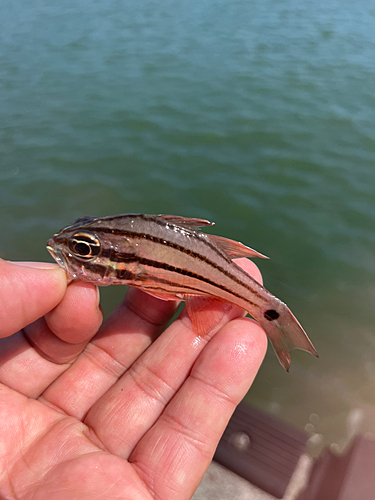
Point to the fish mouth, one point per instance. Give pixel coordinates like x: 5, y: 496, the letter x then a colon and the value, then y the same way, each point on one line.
x: 56, y: 254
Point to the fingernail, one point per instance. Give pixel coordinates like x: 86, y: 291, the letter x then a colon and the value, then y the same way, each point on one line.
x: 35, y: 265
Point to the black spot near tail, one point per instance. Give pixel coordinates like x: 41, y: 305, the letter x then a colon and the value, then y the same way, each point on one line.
x: 271, y: 315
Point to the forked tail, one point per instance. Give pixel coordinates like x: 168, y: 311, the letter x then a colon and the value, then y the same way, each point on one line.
x: 285, y: 333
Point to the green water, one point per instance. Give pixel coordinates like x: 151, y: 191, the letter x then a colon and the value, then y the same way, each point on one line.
x: 258, y: 115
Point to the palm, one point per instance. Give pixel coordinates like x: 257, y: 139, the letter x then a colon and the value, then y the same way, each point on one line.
x: 76, y: 467
x: 131, y: 416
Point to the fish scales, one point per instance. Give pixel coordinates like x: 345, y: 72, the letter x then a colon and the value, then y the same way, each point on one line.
x: 181, y: 249
x: 167, y: 256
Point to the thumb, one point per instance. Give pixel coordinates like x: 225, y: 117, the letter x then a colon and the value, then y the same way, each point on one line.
x: 28, y: 290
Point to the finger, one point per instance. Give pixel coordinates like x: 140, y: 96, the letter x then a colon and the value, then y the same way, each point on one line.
x: 183, y: 440
x: 78, y: 317
x: 28, y: 290
x: 136, y: 401
x: 64, y: 332
x: 126, y: 333
x: 23, y: 369
x: 32, y: 359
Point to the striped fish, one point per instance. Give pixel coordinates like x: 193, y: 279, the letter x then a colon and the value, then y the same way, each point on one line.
x: 169, y: 257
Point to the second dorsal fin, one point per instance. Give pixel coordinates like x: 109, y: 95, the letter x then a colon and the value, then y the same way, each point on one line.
x: 234, y: 248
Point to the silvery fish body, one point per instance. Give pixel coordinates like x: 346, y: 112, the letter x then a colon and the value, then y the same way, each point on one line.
x: 169, y: 257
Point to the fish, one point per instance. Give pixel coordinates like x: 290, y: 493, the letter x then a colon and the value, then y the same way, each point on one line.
x: 170, y: 257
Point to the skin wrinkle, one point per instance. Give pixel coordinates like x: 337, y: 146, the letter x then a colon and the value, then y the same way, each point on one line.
x: 91, y: 434
x: 168, y: 482
x: 40, y: 353
x: 129, y: 305
x: 190, y: 434
x: 177, y: 455
x: 57, y: 359
x: 52, y: 489
x: 151, y: 394
x: 215, y: 390
x: 146, y: 478
x: 102, y: 366
x: 51, y: 405
x: 20, y: 453
x: 92, y: 353
x: 34, y: 442
x: 22, y: 367
x: 135, y: 372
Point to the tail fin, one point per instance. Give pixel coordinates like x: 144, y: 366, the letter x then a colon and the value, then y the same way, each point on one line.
x: 285, y: 334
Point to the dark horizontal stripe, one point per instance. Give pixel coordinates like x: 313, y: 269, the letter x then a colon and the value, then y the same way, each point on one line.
x: 127, y: 275
x: 117, y: 256
x: 186, y: 272
x: 142, y: 235
x: 131, y: 257
x: 124, y: 274
x: 152, y: 219
x: 105, y: 271
x: 98, y: 268
x: 157, y: 282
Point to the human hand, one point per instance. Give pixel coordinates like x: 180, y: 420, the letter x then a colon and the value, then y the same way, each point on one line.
x: 122, y: 413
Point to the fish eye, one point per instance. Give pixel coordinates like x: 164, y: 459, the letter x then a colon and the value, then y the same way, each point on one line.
x: 84, y: 245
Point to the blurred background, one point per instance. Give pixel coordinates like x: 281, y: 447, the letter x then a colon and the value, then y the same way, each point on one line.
x: 256, y: 114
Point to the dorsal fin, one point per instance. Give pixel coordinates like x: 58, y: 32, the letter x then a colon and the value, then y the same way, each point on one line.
x: 186, y: 221
x: 234, y: 248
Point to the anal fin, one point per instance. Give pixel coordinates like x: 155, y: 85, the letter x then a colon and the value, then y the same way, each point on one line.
x: 205, y: 313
